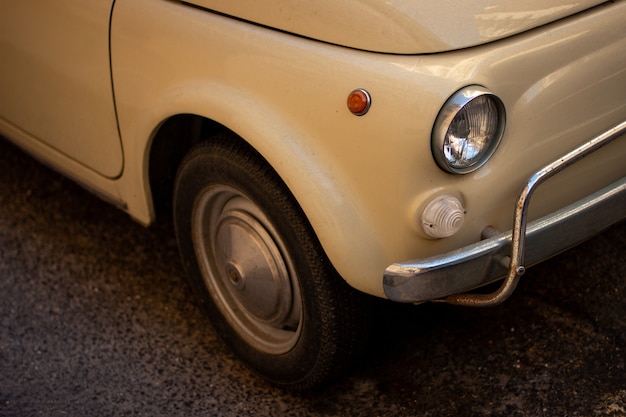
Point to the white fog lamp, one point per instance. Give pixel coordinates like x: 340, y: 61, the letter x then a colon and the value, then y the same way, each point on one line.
x: 443, y: 216
x: 467, y: 130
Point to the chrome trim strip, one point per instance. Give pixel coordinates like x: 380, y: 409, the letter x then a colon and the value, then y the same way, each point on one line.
x: 505, y: 254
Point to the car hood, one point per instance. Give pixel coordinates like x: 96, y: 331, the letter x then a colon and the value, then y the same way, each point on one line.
x: 401, y: 26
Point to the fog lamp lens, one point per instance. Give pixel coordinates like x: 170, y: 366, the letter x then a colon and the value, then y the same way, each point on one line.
x: 443, y: 216
x: 468, y: 130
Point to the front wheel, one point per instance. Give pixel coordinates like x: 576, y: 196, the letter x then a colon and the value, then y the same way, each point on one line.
x: 260, y: 272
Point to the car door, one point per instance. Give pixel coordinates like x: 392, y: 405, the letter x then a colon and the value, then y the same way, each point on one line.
x: 55, y: 81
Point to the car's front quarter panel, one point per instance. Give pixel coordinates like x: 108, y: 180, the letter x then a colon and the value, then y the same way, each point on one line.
x: 361, y: 180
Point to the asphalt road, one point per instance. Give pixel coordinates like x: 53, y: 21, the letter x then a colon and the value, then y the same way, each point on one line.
x: 96, y: 319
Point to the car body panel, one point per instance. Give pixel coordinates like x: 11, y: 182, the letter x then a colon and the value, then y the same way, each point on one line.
x: 361, y: 181
x: 401, y: 26
x: 55, y: 80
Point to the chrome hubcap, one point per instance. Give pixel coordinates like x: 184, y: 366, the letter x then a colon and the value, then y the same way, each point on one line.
x: 247, y: 270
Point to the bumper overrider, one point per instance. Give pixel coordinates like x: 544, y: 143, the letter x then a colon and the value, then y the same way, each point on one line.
x: 447, y: 277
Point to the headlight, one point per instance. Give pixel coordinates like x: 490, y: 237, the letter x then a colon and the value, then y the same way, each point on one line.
x: 468, y: 130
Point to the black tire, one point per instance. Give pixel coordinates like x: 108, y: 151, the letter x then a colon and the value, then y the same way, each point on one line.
x: 262, y: 276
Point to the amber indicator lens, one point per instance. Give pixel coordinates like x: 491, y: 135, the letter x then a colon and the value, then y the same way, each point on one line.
x: 359, y: 102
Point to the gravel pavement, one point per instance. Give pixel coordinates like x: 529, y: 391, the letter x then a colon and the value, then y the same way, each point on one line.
x: 96, y: 319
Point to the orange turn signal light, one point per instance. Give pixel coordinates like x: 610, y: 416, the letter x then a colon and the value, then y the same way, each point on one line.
x: 359, y: 102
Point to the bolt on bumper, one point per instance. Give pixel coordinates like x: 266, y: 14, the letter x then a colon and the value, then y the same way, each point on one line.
x: 447, y: 277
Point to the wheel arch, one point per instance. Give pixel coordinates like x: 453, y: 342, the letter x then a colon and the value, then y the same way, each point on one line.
x: 174, y: 137
x: 330, y: 209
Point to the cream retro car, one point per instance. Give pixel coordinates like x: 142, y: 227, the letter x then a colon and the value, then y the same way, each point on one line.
x: 313, y: 152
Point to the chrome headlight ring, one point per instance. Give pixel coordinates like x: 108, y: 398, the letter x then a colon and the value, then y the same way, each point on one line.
x: 467, y: 130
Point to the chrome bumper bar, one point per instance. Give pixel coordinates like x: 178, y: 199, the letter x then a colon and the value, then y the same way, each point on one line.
x: 446, y: 277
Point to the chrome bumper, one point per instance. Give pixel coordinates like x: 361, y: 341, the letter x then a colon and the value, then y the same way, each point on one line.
x: 446, y: 277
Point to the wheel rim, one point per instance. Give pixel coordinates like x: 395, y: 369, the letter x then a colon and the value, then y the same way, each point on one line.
x: 247, y: 270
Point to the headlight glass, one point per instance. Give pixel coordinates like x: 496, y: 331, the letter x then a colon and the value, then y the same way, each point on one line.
x: 468, y: 130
